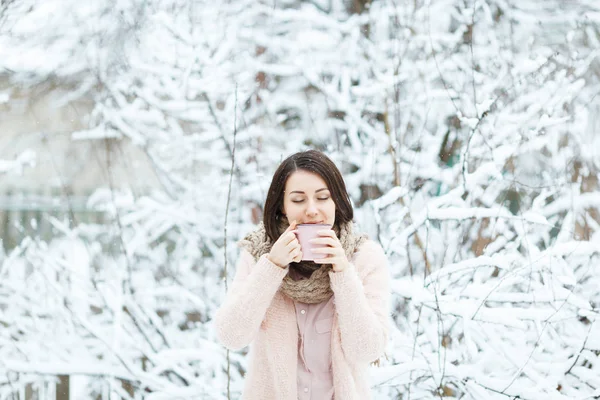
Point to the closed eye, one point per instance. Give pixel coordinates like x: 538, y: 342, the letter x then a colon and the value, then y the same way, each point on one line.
x: 301, y: 201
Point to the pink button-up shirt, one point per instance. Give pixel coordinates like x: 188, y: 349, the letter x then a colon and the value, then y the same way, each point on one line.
x: 315, y: 379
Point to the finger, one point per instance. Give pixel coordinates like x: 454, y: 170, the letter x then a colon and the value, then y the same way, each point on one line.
x: 327, y: 232
x: 294, y: 244
x: 297, y: 252
x: 325, y: 240
x: 289, y: 237
x: 327, y: 260
x: 326, y: 250
x: 296, y: 255
x: 292, y: 226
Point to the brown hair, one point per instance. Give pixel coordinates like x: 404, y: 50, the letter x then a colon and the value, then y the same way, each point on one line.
x: 311, y: 161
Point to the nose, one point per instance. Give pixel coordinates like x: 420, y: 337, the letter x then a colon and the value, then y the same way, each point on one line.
x: 311, y: 209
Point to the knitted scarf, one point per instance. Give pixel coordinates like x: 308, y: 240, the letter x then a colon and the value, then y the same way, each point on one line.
x: 316, y: 288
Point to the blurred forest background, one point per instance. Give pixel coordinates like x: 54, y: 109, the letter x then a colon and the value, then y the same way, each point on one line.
x: 138, y: 139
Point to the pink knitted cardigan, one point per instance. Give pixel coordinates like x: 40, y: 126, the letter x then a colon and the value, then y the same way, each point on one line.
x: 254, y: 311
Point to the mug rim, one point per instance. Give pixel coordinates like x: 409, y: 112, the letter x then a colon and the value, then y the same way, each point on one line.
x: 313, y: 225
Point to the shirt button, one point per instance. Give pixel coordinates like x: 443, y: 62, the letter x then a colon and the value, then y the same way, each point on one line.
x: 303, y: 312
x: 305, y: 390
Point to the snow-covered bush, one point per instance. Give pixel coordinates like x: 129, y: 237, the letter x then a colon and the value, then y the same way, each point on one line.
x: 467, y: 134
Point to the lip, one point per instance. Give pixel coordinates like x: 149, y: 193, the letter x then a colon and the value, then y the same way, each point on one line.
x: 313, y: 223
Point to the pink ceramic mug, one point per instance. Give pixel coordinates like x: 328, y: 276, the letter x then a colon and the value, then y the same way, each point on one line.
x: 305, y: 233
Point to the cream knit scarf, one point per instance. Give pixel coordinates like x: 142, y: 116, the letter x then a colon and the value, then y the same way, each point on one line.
x: 316, y: 288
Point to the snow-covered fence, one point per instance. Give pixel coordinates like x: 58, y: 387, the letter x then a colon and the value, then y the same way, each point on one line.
x: 59, y: 387
x: 30, y: 214
x: 54, y: 388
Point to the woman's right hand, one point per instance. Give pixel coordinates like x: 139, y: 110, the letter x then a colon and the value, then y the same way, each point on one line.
x: 286, y: 249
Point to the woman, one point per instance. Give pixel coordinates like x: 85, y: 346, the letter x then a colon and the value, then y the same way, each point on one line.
x: 314, y: 326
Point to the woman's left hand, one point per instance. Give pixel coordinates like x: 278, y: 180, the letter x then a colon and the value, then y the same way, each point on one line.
x: 336, y: 256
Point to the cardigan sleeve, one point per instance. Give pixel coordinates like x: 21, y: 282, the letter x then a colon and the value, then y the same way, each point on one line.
x: 238, y: 319
x: 363, y: 305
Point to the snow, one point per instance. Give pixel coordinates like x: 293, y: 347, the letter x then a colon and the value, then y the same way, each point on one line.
x: 493, y: 249
x: 23, y: 160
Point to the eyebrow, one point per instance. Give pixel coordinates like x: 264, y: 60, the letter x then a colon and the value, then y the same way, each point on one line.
x: 301, y: 192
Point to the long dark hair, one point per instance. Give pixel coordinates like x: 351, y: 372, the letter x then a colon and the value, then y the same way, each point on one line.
x: 311, y: 161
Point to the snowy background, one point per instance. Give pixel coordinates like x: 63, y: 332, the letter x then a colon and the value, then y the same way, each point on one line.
x: 468, y: 132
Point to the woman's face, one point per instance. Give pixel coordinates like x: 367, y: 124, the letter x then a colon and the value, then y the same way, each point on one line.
x: 307, y: 199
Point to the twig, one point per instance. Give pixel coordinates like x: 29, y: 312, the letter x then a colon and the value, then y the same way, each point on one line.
x: 63, y: 185
x: 397, y: 182
x: 582, y: 348
x: 473, y: 58
x: 225, y: 228
x: 537, y: 342
x: 414, y: 349
x: 487, y: 112
x: 437, y: 65
x: 490, y: 389
x: 229, y: 148
x: 128, y: 285
x: 440, y: 321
